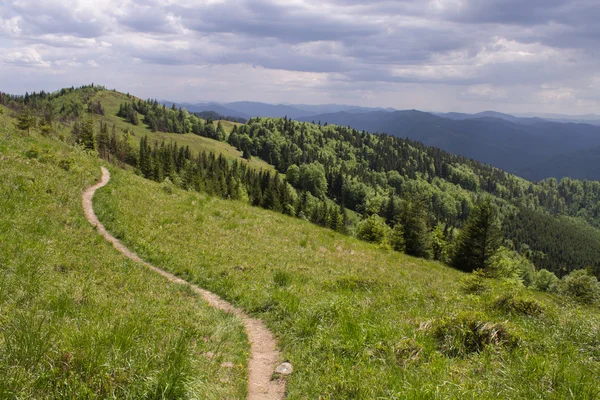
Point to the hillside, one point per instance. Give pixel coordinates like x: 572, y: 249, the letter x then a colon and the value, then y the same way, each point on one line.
x: 79, y: 320
x: 356, y: 319
x: 513, y: 144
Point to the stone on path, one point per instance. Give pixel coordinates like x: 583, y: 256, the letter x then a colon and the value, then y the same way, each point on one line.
x: 284, y: 369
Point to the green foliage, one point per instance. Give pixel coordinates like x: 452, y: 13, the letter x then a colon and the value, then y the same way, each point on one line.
x: 414, y: 218
x: 581, y: 286
x: 479, y: 239
x: 26, y: 120
x: 374, y: 230
x: 312, y: 179
x: 439, y: 244
x: 397, y: 238
x: 475, y: 283
x: 518, y: 305
x: 467, y: 333
x: 545, y: 281
x: 508, y: 264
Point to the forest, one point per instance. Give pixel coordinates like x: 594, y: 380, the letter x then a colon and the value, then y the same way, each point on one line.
x: 394, y: 191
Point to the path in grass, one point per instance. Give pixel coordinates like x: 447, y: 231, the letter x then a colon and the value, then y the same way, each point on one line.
x: 264, y: 356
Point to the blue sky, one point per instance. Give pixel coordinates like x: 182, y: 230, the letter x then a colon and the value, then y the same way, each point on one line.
x: 443, y: 55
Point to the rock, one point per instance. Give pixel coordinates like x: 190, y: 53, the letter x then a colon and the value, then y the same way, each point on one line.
x: 284, y: 369
x: 227, y: 364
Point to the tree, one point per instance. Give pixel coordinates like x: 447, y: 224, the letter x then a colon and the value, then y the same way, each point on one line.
x: 397, y: 238
x: 479, y: 240
x: 416, y: 232
x: 313, y: 179
x: 221, y: 135
x: 26, y: 120
x: 103, y: 141
x: 373, y: 229
x: 439, y: 244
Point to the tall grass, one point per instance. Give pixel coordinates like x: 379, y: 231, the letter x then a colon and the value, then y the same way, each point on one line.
x: 358, y: 321
x: 78, y: 320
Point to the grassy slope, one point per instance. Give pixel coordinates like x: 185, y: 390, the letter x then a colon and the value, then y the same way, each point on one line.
x: 78, y: 320
x: 111, y: 100
x: 356, y: 321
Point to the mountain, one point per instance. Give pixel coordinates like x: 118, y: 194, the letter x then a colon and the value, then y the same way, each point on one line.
x: 255, y: 109
x: 217, y: 108
x: 592, y: 119
x: 517, y: 145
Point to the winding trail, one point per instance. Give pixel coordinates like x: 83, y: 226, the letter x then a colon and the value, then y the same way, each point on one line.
x: 264, y: 356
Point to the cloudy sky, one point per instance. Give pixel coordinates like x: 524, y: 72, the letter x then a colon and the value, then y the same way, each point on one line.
x: 444, y: 55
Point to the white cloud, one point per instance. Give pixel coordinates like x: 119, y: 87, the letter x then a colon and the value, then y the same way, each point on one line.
x: 26, y: 57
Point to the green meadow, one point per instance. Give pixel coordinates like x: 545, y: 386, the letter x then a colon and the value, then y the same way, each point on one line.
x: 356, y: 320
x: 77, y: 319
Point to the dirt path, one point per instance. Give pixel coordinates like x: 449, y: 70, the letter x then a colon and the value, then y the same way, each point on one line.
x: 264, y: 356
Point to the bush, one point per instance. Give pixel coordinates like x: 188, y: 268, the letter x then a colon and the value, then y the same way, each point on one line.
x: 168, y: 186
x: 511, y: 304
x: 33, y: 152
x: 545, y: 281
x: 466, y: 333
x: 509, y: 264
x: 474, y: 283
x: 373, y: 229
x: 581, y: 286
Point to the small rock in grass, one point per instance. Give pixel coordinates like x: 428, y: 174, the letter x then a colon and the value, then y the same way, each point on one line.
x: 284, y: 369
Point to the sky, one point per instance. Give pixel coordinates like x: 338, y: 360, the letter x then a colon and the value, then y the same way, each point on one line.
x: 435, y: 55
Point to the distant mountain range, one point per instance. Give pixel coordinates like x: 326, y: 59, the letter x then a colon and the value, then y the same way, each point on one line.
x: 249, y: 109
x: 534, y: 146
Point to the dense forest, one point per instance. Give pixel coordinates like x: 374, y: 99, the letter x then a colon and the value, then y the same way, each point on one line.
x: 408, y: 196
x: 369, y: 173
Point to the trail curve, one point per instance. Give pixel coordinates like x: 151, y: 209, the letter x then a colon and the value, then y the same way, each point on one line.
x: 264, y: 356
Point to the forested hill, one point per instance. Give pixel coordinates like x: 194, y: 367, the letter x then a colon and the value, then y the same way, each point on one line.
x: 551, y: 221
x: 328, y: 171
x: 518, y: 145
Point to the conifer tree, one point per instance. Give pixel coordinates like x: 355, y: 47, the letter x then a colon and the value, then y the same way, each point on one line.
x: 26, y: 120
x: 86, y: 135
x: 397, y: 238
x: 414, y: 220
x: 479, y: 239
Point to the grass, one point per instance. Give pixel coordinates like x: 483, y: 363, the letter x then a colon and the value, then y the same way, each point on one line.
x: 357, y: 321
x: 77, y: 319
x: 111, y: 100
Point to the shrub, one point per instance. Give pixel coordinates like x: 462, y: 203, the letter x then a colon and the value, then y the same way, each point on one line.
x: 65, y: 163
x: 474, y: 283
x: 373, y: 229
x: 168, y: 186
x: 467, y: 333
x: 511, y: 304
x: 32, y: 152
x: 545, y: 281
x: 509, y: 265
x: 581, y: 286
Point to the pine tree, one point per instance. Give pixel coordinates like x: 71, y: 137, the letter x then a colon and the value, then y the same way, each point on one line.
x: 416, y: 232
x: 397, y: 238
x: 26, y: 120
x: 86, y: 136
x: 479, y: 239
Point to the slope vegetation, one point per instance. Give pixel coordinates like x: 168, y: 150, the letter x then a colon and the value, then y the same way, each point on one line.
x: 77, y: 319
x: 358, y: 321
